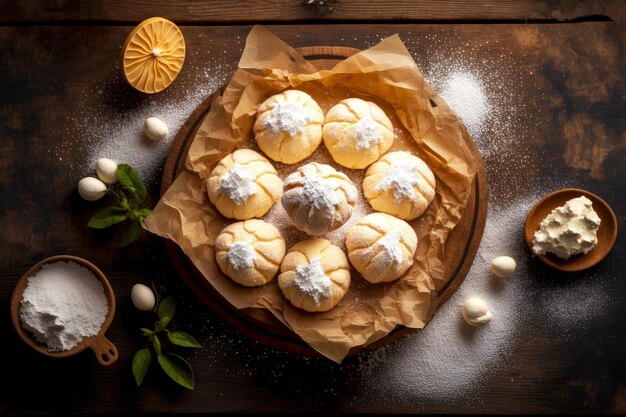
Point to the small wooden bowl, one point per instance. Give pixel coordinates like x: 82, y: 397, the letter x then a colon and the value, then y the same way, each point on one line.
x: 106, y: 352
x: 607, y: 233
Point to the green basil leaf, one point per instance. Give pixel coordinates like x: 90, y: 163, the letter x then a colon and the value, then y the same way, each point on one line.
x: 141, y: 364
x: 129, y: 178
x: 183, y: 339
x: 177, y: 369
x: 107, y: 217
x: 166, y: 310
x: 143, y: 213
x: 146, y: 332
x: 156, y: 344
x: 131, y: 234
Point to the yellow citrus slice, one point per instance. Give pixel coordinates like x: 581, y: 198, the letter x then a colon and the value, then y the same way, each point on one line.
x: 153, y: 55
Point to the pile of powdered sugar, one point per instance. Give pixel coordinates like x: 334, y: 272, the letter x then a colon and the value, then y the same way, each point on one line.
x: 466, y: 97
x: 366, y: 130
x: 286, y: 117
x: 402, y: 180
x: 62, y: 304
x: 390, y: 244
x: 312, y: 280
x: 241, y: 255
x: 238, y: 184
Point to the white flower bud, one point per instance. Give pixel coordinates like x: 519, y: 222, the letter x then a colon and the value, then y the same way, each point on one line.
x: 155, y: 128
x: 91, y: 189
x: 143, y: 297
x: 106, y: 170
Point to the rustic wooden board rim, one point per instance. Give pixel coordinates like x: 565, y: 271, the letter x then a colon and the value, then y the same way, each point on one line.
x: 279, y: 336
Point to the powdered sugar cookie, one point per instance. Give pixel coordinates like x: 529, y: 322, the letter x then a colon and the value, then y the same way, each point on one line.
x: 314, y: 275
x: 288, y: 127
x: 250, y: 252
x: 400, y: 184
x: 381, y: 247
x: 357, y: 132
x: 244, y: 185
x: 318, y: 199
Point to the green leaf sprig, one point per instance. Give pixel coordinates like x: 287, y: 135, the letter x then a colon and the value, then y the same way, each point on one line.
x: 130, y: 193
x: 177, y: 368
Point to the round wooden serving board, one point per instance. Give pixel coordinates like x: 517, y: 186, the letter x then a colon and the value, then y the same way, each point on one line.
x: 260, y: 324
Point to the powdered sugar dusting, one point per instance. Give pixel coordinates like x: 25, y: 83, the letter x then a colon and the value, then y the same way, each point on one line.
x: 391, y: 245
x: 448, y: 357
x: 466, y: 97
x: 238, y: 184
x: 312, y: 280
x: 241, y: 255
x: 108, y: 120
x: 366, y: 132
x: 287, y: 117
x: 319, y: 193
x: 63, y: 303
x: 402, y: 178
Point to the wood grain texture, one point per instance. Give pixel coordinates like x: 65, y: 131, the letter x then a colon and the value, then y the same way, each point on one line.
x: 571, y: 75
x: 220, y: 11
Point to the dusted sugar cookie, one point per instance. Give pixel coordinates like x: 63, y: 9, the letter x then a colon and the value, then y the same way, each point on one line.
x: 399, y: 184
x: 244, y: 185
x: 381, y: 247
x: 318, y: 199
x: 250, y: 252
x: 357, y: 132
x: 315, y: 275
x: 288, y: 127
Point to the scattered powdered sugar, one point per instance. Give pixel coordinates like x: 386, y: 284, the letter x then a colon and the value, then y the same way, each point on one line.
x: 318, y: 193
x: 366, y: 132
x: 238, y: 184
x: 449, y: 357
x: 402, y: 178
x: 466, y: 97
x: 391, y: 246
x: 312, y: 280
x: 108, y: 119
x: 241, y: 255
x: 287, y: 117
x: 62, y: 304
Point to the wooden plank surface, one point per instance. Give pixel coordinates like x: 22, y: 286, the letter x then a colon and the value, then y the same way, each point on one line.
x: 191, y: 11
x: 571, y: 78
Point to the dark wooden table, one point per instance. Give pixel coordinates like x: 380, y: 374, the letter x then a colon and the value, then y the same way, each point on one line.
x: 565, y: 64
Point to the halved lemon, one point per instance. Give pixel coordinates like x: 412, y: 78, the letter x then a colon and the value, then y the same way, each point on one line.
x: 153, y: 55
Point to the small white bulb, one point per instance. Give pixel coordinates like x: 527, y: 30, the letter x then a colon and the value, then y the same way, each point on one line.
x: 143, y: 297
x: 155, y: 128
x: 503, y: 266
x: 91, y: 189
x: 106, y: 170
x: 476, y: 312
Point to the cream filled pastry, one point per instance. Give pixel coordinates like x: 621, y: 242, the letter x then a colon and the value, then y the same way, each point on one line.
x: 318, y: 199
x: 357, y: 132
x: 400, y: 184
x: 244, y: 185
x: 314, y: 275
x: 250, y: 252
x: 381, y: 247
x: 288, y: 127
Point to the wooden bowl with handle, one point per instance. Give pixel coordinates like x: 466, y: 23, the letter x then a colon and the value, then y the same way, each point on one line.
x: 106, y: 352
